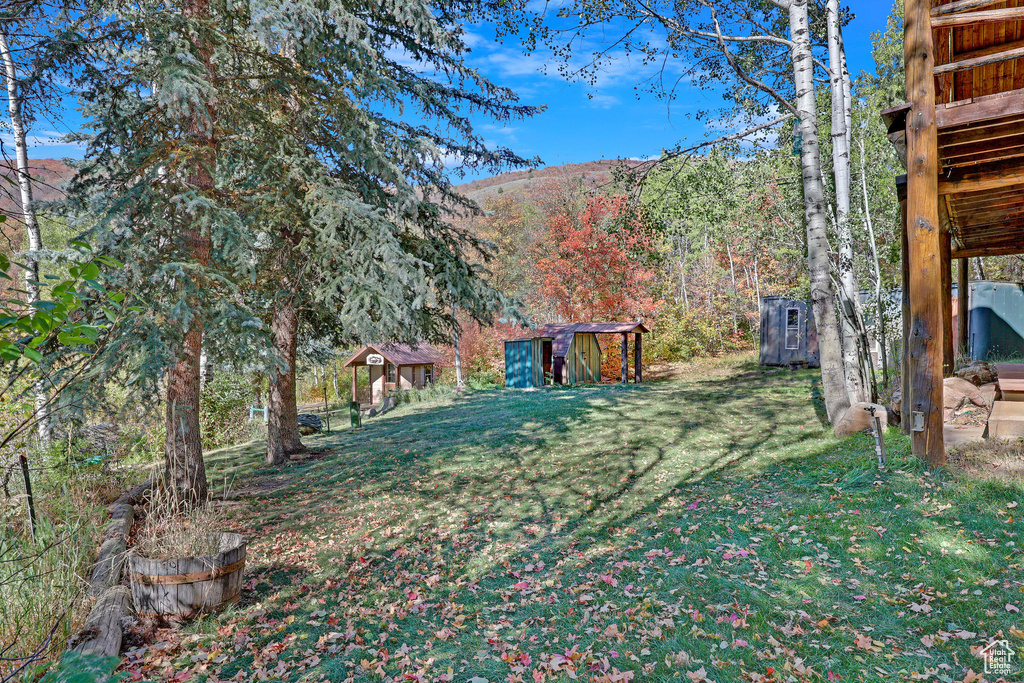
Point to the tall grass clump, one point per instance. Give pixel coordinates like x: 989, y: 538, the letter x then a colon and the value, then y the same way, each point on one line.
x: 42, y: 583
x: 168, y: 532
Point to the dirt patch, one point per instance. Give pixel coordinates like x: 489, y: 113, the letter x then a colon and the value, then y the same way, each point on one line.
x: 989, y: 460
x: 261, y: 487
x: 311, y: 454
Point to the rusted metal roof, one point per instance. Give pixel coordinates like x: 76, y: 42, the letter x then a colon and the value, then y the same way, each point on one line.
x: 562, y: 333
x: 398, y: 354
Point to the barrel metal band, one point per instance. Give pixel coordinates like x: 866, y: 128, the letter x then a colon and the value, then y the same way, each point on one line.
x: 176, y: 579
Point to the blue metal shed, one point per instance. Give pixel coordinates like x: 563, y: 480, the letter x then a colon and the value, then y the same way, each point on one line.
x: 523, y: 367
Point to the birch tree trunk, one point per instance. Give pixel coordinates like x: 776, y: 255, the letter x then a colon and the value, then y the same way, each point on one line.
x: 337, y: 394
x: 853, y: 364
x: 822, y: 301
x: 732, y: 294
x: 457, y: 343
x: 35, y: 242
x: 880, y: 308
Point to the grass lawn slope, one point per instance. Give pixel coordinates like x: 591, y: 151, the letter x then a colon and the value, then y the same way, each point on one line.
x: 704, y: 527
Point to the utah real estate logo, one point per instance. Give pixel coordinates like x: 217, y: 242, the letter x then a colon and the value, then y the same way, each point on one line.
x: 998, y: 656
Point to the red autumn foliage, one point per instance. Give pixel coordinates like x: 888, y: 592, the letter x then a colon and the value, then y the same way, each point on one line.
x: 596, y: 263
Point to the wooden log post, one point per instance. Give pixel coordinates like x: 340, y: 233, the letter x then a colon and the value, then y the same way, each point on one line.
x: 905, y: 387
x: 638, y: 363
x: 354, y: 385
x: 625, y: 357
x: 925, y: 347
x: 964, y: 307
x: 946, y: 264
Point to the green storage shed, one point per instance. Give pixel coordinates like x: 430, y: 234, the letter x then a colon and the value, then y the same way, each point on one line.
x: 568, y: 353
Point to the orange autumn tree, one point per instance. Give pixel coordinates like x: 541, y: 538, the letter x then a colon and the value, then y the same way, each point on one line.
x: 598, y: 263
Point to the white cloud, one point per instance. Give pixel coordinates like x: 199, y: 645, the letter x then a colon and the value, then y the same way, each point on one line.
x: 50, y: 139
x: 600, y: 101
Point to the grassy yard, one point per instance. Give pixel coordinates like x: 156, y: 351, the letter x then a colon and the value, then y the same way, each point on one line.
x: 702, y: 526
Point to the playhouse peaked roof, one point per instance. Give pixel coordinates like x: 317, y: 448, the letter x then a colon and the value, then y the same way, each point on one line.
x: 398, y: 354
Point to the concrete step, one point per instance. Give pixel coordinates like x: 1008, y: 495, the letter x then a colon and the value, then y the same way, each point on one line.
x: 1006, y: 420
x: 954, y: 435
x: 1011, y: 381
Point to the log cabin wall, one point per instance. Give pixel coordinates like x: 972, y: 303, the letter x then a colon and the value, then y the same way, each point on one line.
x: 961, y: 137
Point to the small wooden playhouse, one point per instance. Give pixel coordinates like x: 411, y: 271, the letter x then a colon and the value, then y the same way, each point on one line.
x: 568, y: 353
x: 393, y: 367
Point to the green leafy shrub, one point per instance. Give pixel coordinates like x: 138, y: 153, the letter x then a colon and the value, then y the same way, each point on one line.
x: 683, y: 335
x: 224, y: 411
x: 75, y: 667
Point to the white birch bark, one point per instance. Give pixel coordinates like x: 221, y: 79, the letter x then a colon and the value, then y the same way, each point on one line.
x: 35, y: 243
x: 457, y: 343
x: 853, y: 363
x: 822, y: 302
x: 878, y: 271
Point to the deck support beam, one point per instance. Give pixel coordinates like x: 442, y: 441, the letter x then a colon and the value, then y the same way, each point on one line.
x: 625, y: 357
x: 905, y: 315
x: 638, y: 345
x: 946, y: 262
x: 963, y: 308
x: 354, y: 383
x: 924, y: 352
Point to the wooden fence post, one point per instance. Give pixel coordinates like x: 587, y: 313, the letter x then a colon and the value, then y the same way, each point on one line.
x: 28, y: 495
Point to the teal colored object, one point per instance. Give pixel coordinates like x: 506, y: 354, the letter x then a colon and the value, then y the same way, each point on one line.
x: 519, y: 364
x: 997, y: 320
x: 353, y: 412
x: 798, y: 143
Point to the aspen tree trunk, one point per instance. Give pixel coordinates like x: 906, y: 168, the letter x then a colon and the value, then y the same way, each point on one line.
x: 35, y: 242
x: 732, y: 295
x: 283, y: 438
x: 849, y: 299
x: 204, y: 369
x: 682, y: 272
x: 822, y: 301
x: 337, y: 394
x: 880, y: 308
x: 457, y: 339
x: 757, y: 285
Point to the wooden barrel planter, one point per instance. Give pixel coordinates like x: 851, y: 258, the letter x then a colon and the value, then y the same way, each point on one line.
x: 187, y: 586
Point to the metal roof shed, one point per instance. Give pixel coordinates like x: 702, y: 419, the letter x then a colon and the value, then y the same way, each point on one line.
x: 569, y: 353
x: 788, y: 335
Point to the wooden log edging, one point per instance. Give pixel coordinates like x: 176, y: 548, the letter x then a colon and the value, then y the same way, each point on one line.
x: 106, y: 573
x: 101, y: 634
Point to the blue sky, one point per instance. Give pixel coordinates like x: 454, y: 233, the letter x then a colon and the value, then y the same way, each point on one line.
x: 582, y: 122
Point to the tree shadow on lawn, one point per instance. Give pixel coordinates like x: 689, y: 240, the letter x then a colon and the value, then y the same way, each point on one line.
x: 593, y: 454
x: 449, y: 499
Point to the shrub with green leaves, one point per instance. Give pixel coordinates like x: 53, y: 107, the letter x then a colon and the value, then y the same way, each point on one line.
x: 224, y: 411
